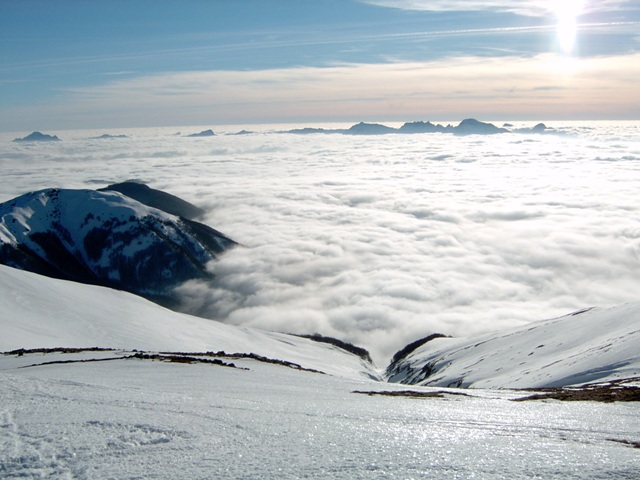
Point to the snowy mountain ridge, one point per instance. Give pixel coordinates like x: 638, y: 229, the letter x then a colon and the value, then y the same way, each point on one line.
x: 591, y: 345
x: 105, y: 238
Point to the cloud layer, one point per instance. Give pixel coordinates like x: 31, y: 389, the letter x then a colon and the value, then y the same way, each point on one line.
x: 381, y: 240
x: 521, y: 7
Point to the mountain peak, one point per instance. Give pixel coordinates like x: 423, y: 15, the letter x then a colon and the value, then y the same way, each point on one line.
x: 204, y: 133
x: 106, y: 238
x: 471, y: 126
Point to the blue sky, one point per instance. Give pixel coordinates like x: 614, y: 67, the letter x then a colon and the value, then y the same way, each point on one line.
x: 75, y: 64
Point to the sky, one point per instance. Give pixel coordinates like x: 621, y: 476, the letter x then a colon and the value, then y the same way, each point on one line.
x: 84, y: 64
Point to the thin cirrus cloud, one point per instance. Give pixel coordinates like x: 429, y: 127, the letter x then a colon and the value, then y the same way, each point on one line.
x: 521, y: 7
x: 543, y: 86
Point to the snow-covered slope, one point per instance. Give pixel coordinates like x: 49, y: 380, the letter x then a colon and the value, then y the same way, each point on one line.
x: 105, y: 238
x: 134, y: 418
x: 111, y: 415
x: 587, y: 346
x: 41, y: 312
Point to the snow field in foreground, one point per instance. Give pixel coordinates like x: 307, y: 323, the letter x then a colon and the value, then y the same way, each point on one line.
x: 149, y: 419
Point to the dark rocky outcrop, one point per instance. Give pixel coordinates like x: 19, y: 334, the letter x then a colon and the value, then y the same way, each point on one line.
x: 349, y: 347
x: 403, y: 352
x: 395, y: 366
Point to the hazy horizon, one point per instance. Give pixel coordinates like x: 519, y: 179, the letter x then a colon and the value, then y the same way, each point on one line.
x: 219, y: 129
x: 70, y: 64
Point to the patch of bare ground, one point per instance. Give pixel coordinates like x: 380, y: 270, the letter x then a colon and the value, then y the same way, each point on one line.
x: 614, y: 391
x: 172, y: 357
x: 250, y: 356
x: 181, y: 359
x: 625, y: 442
x: 411, y: 393
x: 26, y: 351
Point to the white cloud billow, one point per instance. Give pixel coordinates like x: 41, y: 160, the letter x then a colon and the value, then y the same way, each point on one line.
x: 381, y: 240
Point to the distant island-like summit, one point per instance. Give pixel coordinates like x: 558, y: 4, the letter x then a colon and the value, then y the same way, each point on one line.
x: 38, y: 137
x: 204, y: 133
x: 470, y: 126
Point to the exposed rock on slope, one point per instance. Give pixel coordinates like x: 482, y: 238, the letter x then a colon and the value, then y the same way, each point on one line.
x: 106, y: 238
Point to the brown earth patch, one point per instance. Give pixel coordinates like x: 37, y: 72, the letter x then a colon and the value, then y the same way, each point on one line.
x: 615, y: 391
x: 411, y: 393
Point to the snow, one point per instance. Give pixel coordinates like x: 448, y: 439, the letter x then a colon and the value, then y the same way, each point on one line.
x: 149, y: 419
x: 121, y: 417
x: 404, y: 243
x: 380, y: 240
x: 106, y: 238
x: 594, y: 345
x: 41, y: 312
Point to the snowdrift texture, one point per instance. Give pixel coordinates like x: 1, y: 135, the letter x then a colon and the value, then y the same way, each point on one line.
x: 106, y: 238
x: 135, y: 418
x: 593, y: 345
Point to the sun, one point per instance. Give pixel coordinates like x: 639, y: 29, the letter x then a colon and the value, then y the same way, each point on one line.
x: 567, y: 12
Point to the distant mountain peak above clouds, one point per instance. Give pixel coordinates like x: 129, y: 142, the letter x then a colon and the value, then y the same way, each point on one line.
x: 203, y: 133
x: 469, y: 126
x: 38, y: 137
x: 107, y: 238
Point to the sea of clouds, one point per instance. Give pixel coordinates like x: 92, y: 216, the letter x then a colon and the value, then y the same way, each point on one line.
x: 380, y: 240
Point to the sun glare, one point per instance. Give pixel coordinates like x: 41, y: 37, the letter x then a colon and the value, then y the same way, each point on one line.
x: 567, y: 12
